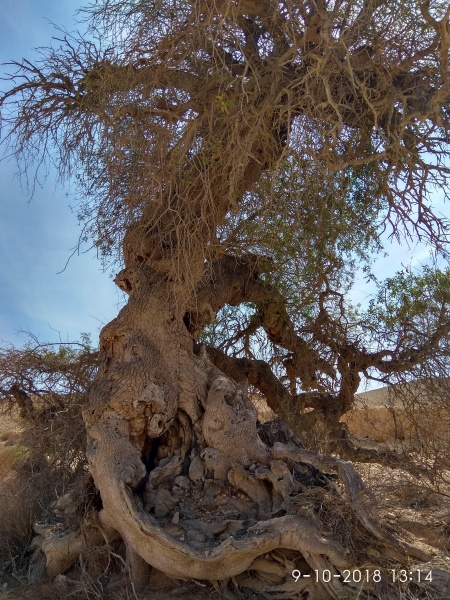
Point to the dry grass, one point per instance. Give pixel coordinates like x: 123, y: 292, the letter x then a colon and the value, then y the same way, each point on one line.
x: 16, y: 521
x: 10, y: 457
x: 16, y: 505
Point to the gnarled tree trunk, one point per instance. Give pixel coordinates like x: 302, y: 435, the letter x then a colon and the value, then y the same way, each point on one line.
x: 185, y: 480
x: 174, y: 451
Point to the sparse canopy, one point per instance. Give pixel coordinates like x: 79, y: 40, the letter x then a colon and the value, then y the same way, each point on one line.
x: 242, y: 158
x: 179, y: 113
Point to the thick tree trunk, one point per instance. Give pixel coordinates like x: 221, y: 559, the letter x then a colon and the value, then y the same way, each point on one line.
x: 184, y: 478
x: 174, y: 451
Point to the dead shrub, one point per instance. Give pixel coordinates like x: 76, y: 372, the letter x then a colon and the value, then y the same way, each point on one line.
x: 43, y: 390
x: 16, y: 521
x: 10, y: 457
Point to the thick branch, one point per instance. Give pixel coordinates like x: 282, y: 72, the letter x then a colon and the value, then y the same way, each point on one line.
x: 353, y: 359
x: 226, y: 282
x: 24, y: 401
x: 234, y: 280
x: 289, y: 407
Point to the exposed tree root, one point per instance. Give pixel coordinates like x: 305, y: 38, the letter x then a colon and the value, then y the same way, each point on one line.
x: 224, y: 507
x: 356, y: 493
x: 55, y: 553
x: 383, y: 456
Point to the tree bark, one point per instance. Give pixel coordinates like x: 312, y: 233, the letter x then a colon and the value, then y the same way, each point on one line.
x: 184, y: 478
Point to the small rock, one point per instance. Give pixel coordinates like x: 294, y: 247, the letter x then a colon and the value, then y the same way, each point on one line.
x: 182, y: 481
x: 196, y: 535
x: 164, y: 503
x: 196, y: 470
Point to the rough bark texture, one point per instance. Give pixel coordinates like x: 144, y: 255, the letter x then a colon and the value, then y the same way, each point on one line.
x: 184, y: 477
x: 203, y: 449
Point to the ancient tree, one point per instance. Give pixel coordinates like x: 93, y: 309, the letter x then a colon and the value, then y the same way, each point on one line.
x: 240, y: 158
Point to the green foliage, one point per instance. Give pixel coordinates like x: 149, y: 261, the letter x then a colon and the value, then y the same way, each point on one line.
x: 409, y: 298
x: 317, y: 234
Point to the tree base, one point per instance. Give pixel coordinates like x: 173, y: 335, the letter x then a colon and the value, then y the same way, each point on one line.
x: 196, y: 493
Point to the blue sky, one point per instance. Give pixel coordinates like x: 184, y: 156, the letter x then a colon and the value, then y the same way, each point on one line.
x: 37, y: 237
